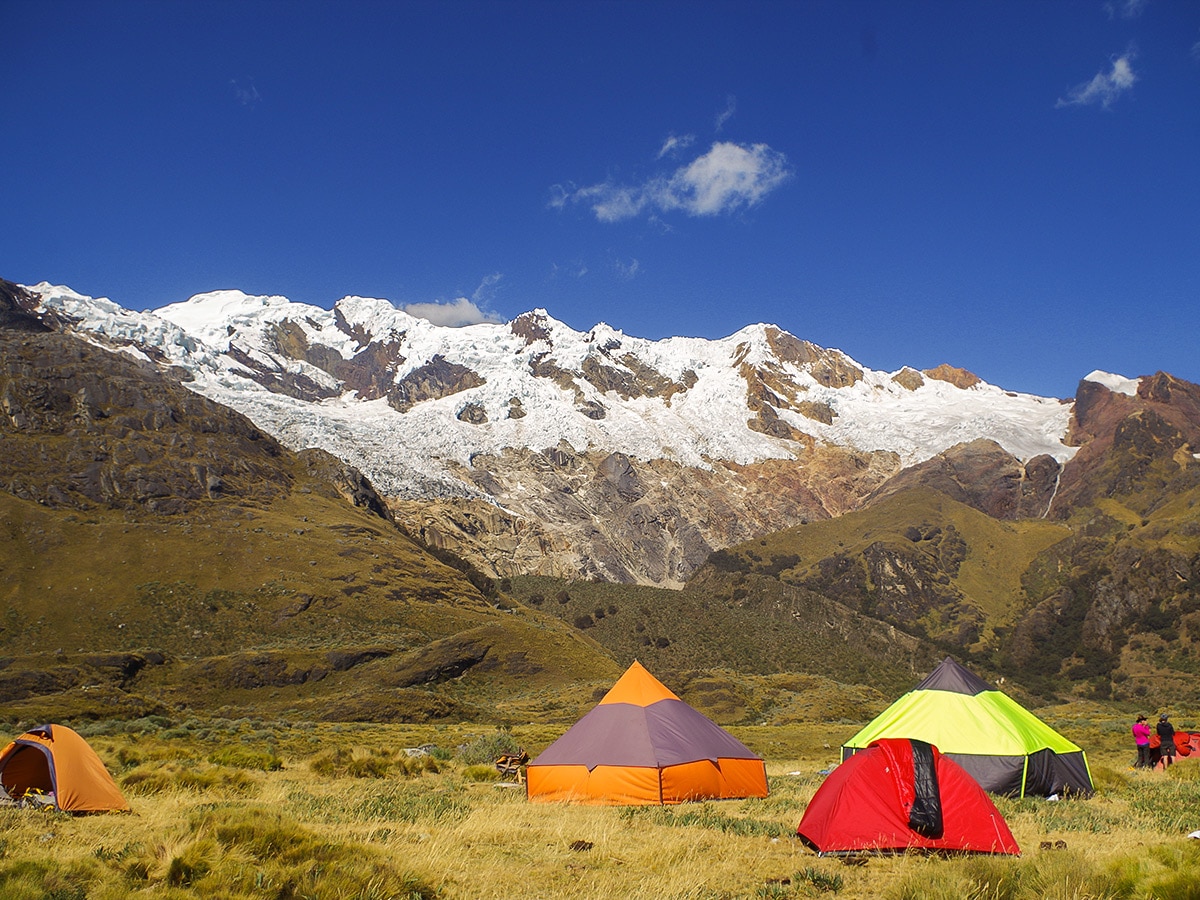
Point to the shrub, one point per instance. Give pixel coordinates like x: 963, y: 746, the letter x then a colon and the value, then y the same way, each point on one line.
x: 396, y: 803
x: 157, y: 778
x: 484, y: 750
x: 822, y: 881
x: 727, y: 561
x: 481, y: 773
x: 285, y: 860
x: 245, y: 758
x: 360, y: 762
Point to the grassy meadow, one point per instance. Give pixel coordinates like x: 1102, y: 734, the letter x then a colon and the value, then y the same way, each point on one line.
x: 271, y: 809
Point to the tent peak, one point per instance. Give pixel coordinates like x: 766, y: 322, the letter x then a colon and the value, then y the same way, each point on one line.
x: 638, y: 687
x: 951, y: 675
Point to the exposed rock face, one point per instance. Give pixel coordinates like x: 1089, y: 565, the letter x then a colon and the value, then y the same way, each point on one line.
x: 1123, y: 438
x: 909, y: 378
x: 829, y: 367
x: 531, y: 326
x: 348, y: 482
x: 82, y: 426
x: 437, y: 378
x: 960, y: 378
x: 721, y: 440
x: 17, y: 307
x: 984, y: 476
x: 907, y: 583
x: 615, y: 518
x: 280, y: 380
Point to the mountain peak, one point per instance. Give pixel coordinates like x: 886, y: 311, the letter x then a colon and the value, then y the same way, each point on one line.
x: 1118, y: 384
x: 315, y: 377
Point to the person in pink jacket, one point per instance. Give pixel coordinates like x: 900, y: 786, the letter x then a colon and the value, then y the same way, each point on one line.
x: 1141, y: 737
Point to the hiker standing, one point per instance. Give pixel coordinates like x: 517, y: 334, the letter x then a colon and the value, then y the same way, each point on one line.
x: 1166, y: 737
x: 1141, y: 737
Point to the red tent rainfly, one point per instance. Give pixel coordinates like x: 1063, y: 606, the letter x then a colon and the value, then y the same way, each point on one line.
x: 900, y: 795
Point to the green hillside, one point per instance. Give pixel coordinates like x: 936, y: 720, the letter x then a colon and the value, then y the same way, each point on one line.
x: 158, y: 552
x: 308, y: 606
x: 750, y: 624
x: 917, y: 559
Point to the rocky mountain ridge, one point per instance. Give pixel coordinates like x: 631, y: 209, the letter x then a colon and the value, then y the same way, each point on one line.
x: 162, y: 554
x: 1078, y: 565
x: 531, y: 448
x: 1085, y: 575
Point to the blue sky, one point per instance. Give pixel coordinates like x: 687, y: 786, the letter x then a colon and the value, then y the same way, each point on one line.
x: 1011, y: 187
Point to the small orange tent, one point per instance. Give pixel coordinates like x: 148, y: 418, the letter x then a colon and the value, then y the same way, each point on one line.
x: 56, y: 760
x: 643, y: 745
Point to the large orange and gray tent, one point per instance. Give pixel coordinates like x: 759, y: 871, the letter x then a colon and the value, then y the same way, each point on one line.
x: 643, y: 745
x: 1000, y: 743
x: 55, y: 760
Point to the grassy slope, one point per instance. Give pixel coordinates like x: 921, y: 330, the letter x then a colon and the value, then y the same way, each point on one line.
x: 205, y: 825
x: 258, y: 608
x: 752, y: 626
x: 990, y: 575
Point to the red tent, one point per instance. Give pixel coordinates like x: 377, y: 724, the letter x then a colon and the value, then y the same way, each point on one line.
x: 899, y: 795
x: 1187, y: 743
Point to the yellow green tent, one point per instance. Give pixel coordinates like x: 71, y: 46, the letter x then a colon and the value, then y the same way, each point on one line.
x: 1002, y: 745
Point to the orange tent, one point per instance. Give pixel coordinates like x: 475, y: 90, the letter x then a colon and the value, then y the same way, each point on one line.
x: 643, y: 745
x: 55, y: 760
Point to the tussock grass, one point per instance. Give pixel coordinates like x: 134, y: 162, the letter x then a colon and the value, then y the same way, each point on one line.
x: 156, y: 778
x: 245, y: 758
x: 313, y: 828
x: 366, y: 762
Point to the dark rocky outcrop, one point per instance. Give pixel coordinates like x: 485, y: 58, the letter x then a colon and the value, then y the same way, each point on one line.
x: 984, y: 476
x: 437, y: 378
x: 82, y: 426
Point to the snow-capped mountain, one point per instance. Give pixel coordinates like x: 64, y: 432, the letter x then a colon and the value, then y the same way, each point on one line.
x: 696, y: 442
x: 367, y: 379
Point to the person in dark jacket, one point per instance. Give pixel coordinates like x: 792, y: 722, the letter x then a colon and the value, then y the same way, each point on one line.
x: 1166, y: 740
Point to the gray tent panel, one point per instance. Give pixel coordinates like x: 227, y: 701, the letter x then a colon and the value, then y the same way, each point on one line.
x: 1046, y: 773
x: 953, y: 677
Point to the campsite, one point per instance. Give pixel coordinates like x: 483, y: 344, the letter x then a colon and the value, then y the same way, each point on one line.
x: 247, y: 808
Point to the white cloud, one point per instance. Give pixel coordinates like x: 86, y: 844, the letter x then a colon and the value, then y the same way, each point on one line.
x: 454, y: 314
x: 674, y: 144
x: 627, y: 271
x: 611, y: 202
x: 726, y: 178
x: 1105, y: 88
x: 487, y: 288
x: 727, y: 113
x: 1125, y: 9
x: 574, y: 269
x: 246, y: 94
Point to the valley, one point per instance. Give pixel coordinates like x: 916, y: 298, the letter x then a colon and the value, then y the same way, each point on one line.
x: 251, y: 627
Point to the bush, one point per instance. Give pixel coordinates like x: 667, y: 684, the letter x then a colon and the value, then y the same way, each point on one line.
x: 245, y: 758
x: 484, y: 750
x: 481, y: 773
x: 360, y: 762
x: 157, y: 778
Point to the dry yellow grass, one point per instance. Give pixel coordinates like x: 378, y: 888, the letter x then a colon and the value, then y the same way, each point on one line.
x: 248, y: 833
